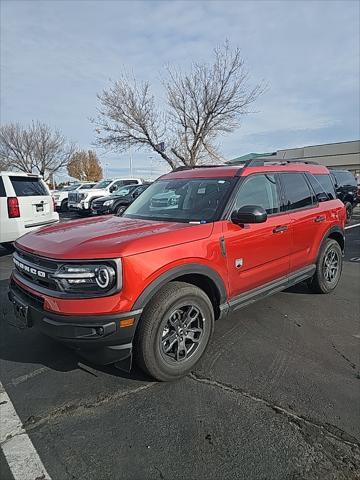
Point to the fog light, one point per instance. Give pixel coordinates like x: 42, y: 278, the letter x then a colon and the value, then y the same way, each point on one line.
x: 100, y: 331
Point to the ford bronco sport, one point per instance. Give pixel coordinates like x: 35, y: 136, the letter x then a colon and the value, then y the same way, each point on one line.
x: 152, y: 282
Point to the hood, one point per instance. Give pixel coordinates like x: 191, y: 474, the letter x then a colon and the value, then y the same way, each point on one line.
x: 91, y: 190
x: 109, y: 237
x: 104, y: 199
x: 126, y: 198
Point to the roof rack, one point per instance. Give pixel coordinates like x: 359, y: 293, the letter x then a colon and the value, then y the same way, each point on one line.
x: 179, y: 169
x: 256, y: 162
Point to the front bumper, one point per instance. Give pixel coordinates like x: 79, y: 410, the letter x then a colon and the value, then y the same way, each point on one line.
x: 79, y: 206
x: 99, y: 338
x: 100, y: 209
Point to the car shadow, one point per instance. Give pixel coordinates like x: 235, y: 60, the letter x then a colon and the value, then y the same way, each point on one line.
x: 29, y: 346
x: 300, y: 288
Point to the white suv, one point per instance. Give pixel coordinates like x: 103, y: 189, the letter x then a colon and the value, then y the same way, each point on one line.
x: 61, y: 196
x: 81, y: 200
x: 25, y: 205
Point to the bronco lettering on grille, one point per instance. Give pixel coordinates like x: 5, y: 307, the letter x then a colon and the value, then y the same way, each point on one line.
x: 28, y: 269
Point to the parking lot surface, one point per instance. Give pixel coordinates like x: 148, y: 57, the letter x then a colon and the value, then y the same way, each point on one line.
x: 276, y: 396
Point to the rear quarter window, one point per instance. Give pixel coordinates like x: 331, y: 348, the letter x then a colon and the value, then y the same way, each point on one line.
x: 29, y: 187
x: 2, y: 188
x: 322, y: 183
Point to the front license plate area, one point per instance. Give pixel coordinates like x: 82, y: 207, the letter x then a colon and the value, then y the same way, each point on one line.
x: 21, y: 314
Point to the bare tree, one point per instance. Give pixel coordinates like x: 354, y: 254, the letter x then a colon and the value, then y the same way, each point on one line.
x: 35, y: 148
x: 85, y: 166
x: 208, y: 101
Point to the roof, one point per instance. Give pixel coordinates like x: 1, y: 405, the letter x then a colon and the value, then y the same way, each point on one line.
x: 19, y: 174
x: 223, y: 171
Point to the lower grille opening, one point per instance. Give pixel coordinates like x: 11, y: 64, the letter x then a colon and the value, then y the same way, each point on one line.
x: 30, y: 297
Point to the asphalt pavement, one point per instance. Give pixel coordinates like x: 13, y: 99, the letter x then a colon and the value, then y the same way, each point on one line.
x: 276, y: 396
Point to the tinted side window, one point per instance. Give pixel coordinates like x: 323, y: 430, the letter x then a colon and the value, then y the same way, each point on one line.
x: 297, y: 191
x: 28, y: 187
x: 259, y: 190
x: 2, y: 188
x: 344, y: 178
x: 327, y: 185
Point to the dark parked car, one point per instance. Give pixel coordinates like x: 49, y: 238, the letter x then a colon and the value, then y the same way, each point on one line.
x: 346, y: 189
x: 118, y: 201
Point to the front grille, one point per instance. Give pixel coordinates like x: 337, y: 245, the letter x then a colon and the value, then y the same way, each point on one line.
x: 73, y: 197
x: 37, y: 270
x: 30, y: 297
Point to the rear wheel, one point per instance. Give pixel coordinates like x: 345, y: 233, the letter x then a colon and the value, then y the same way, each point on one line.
x: 349, y: 211
x: 174, y: 331
x: 328, y: 268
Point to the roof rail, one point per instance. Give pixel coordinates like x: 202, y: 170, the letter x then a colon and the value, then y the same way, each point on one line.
x: 179, y: 169
x: 257, y: 162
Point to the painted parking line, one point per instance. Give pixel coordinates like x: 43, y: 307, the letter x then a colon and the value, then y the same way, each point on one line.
x: 352, y: 226
x: 20, y: 453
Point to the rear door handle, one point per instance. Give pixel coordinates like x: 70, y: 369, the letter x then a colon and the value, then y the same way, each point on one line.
x: 319, y: 219
x: 280, y: 228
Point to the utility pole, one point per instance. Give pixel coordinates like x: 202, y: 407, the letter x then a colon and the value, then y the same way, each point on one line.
x: 151, y: 167
x: 130, y: 161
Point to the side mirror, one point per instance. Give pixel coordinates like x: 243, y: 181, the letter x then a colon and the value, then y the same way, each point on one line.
x: 249, y: 214
x: 112, y: 188
x: 322, y: 197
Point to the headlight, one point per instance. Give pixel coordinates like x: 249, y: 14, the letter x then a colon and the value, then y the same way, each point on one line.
x: 108, y: 203
x: 83, y: 195
x: 88, y: 278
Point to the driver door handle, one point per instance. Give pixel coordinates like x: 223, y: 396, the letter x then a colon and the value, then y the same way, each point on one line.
x: 280, y: 228
x: 319, y: 219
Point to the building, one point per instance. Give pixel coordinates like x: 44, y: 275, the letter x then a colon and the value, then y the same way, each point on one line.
x: 342, y: 155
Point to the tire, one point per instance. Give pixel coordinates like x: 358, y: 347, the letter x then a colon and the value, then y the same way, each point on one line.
x: 175, y: 302
x: 9, y: 246
x: 83, y: 213
x: 324, y: 279
x: 349, y: 211
x: 120, y: 210
x: 64, y: 206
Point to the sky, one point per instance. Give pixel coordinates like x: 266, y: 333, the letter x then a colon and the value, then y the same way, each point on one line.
x: 57, y: 55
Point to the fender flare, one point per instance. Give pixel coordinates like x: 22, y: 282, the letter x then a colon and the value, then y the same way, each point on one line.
x: 332, y: 230
x: 172, y: 273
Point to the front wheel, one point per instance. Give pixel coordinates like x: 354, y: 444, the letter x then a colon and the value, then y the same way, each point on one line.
x: 174, y: 331
x: 328, y: 268
x: 120, y: 210
x: 64, y: 206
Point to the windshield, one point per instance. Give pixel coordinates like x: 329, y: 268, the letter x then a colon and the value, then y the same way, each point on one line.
x: 86, y: 186
x: 70, y: 187
x: 122, y: 191
x: 102, y: 184
x: 182, y: 200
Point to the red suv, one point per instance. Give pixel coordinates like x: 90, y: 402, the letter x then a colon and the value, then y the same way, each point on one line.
x: 152, y: 282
